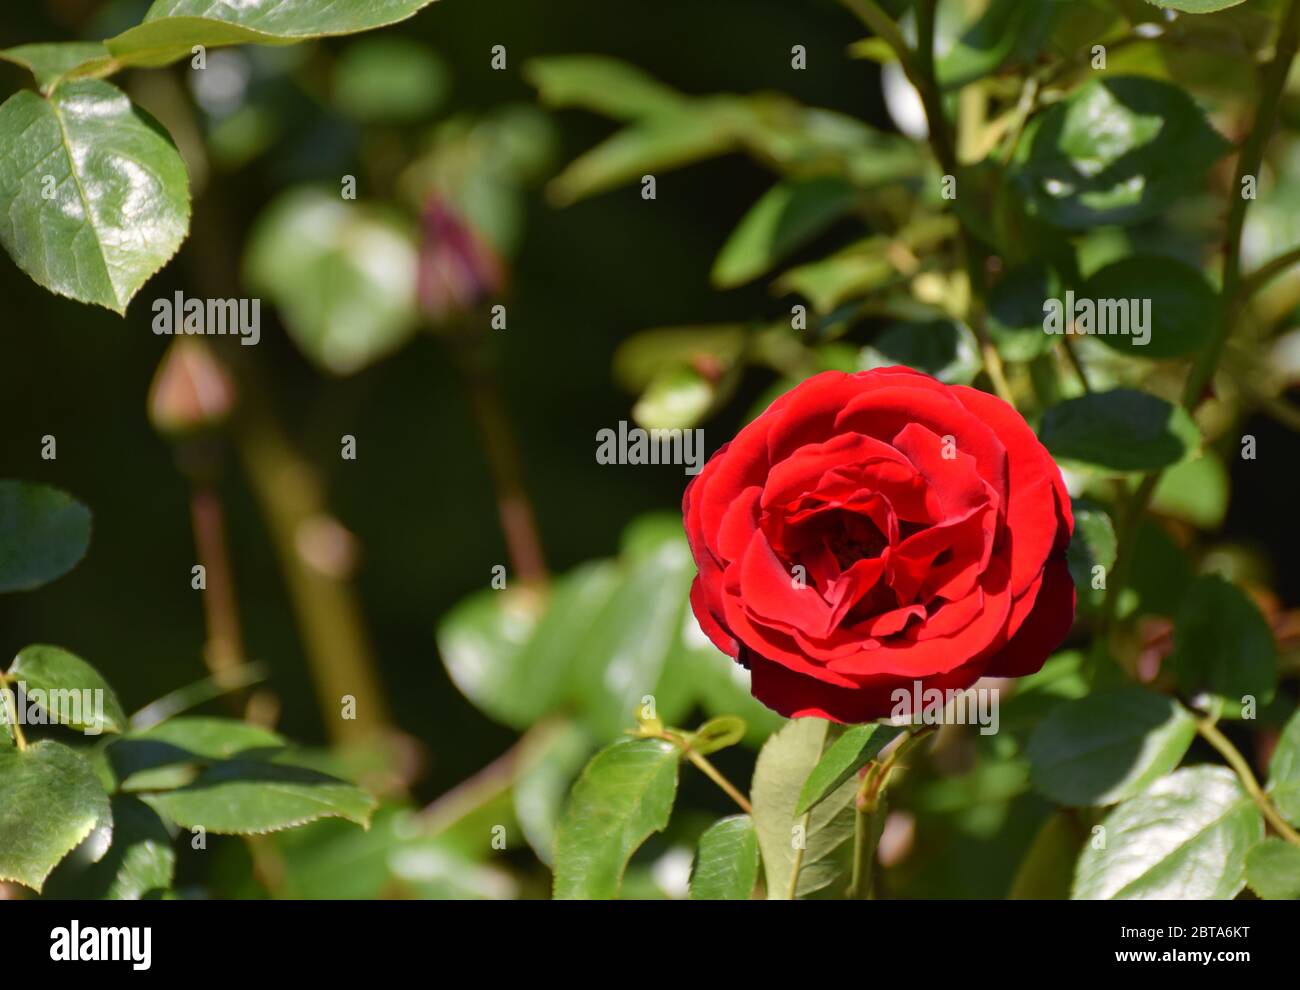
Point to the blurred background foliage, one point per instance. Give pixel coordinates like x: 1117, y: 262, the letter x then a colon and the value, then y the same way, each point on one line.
x: 806, y: 188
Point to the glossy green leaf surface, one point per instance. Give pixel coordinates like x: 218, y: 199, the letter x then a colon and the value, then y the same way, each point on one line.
x: 72, y: 692
x: 50, y: 801
x: 1184, y: 838
x: 95, y: 194
x: 624, y: 795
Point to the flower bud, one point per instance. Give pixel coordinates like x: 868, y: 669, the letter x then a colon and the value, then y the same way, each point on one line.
x: 191, y: 390
x: 458, y: 269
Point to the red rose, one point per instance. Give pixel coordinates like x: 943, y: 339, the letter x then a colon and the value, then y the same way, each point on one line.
x: 873, y: 530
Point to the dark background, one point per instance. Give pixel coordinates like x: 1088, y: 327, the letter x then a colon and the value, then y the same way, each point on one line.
x: 419, y: 497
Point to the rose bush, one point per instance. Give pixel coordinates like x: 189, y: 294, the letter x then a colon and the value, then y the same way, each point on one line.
x: 868, y: 531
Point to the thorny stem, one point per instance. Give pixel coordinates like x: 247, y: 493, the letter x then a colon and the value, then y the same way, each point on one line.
x: 868, y: 805
x: 224, y: 653
x: 518, y: 521
x: 918, y: 66
x: 1211, y: 734
x: 1248, y: 165
x: 1233, y: 291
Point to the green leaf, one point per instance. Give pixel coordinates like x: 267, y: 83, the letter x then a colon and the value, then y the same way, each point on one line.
x: 726, y: 866
x: 821, y: 867
x: 1181, y: 305
x: 624, y: 795
x: 96, y: 195
x: 942, y: 348
x: 1196, y: 6
x: 1005, y: 30
x: 702, y: 129
x: 1195, y: 491
x: 788, y: 216
x: 73, y: 693
x: 622, y: 655
x: 541, y: 788
x: 50, y: 800
x: 852, y: 751
x: 1015, y: 317
x: 49, y: 63
x: 389, y: 80
x: 343, y: 276
x: 1284, y: 772
x: 44, y: 533
x: 140, y: 863
x: 1120, y: 430
x: 511, y: 654
x: 172, y: 754
x: 600, y: 84
x: 1108, y: 746
x: 1118, y: 150
x: 1185, y: 838
x: 1048, y: 867
x: 246, y: 796
x: 172, y: 28
x: 1093, y: 544
x: 649, y: 354
x: 1273, y: 870
x: 1223, y: 644
x: 676, y: 400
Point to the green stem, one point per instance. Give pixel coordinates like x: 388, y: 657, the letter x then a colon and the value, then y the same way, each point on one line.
x: 1248, y: 164
x: 918, y: 66
x: 1207, y: 361
x: 1211, y: 734
x: 10, y: 701
x: 712, y: 772
x: 869, y: 809
x: 1261, y: 276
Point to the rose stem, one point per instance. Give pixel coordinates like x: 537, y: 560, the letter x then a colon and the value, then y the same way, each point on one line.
x: 918, y: 66
x: 1248, y: 164
x: 1211, y: 734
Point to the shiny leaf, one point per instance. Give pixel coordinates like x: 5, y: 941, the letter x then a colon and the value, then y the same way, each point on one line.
x: 95, y: 193
x: 624, y: 795
x: 1185, y: 838
x: 50, y: 801
x: 73, y: 693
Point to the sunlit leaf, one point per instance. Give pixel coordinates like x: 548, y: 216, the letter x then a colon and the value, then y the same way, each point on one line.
x: 50, y: 800
x: 1123, y: 430
x: 726, y: 865
x: 342, y: 274
x: 1184, y: 838
x: 95, y: 194
x: 624, y: 795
